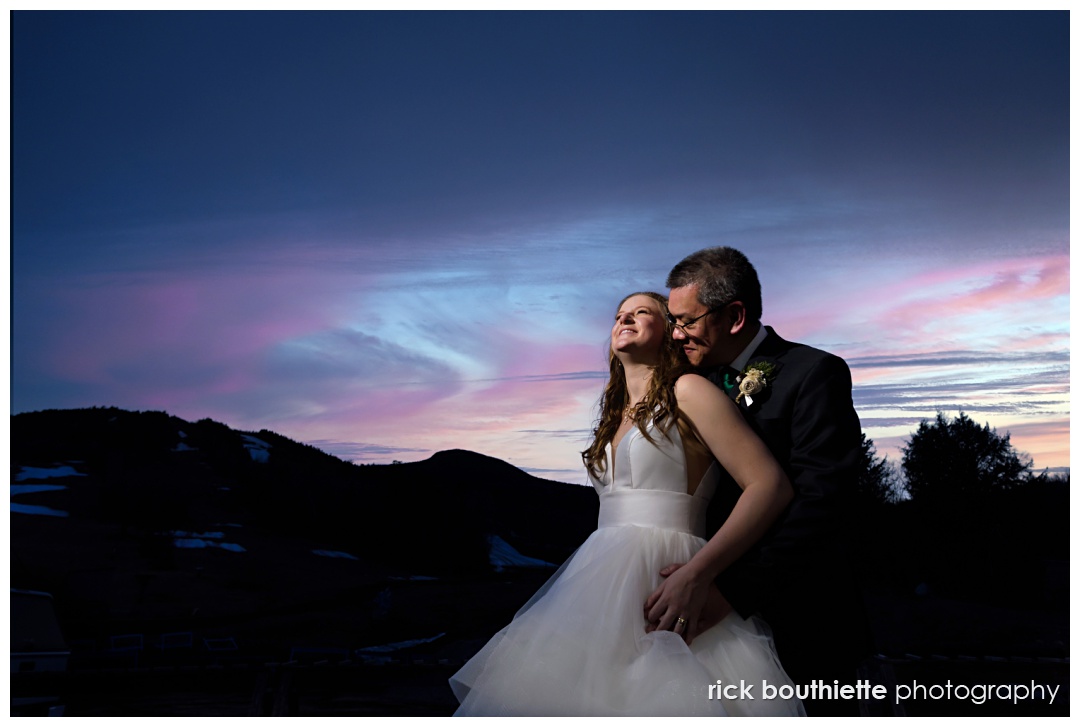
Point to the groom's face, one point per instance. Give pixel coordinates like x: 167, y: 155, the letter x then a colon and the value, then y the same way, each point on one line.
x: 702, y: 333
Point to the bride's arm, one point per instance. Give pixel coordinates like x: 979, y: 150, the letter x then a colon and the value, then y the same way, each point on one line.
x: 766, y: 492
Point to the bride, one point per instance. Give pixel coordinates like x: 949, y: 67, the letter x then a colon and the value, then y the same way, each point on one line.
x: 580, y: 645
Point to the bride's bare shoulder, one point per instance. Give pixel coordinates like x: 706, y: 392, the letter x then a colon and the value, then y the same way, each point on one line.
x: 691, y: 383
x: 696, y: 394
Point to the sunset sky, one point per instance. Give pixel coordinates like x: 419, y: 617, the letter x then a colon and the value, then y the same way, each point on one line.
x: 388, y: 234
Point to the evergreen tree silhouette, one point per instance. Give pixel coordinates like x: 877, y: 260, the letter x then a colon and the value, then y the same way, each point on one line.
x: 947, y: 462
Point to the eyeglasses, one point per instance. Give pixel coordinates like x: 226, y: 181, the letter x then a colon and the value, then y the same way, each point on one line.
x: 685, y: 327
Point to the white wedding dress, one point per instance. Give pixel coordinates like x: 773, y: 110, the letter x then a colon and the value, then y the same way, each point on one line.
x: 579, y: 646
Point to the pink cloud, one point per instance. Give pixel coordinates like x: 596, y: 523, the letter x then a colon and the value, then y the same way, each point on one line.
x: 947, y: 294
x: 172, y: 336
x: 521, y: 421
x: 1046, y: 441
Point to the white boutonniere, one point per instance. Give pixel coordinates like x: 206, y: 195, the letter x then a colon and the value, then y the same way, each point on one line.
x: 753, y: 380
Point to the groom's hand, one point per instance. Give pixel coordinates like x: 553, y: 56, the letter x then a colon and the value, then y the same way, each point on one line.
x: 701, y: 604
x: 716, y: 610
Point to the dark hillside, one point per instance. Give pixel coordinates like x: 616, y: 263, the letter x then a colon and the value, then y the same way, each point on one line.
x: 143, y: 523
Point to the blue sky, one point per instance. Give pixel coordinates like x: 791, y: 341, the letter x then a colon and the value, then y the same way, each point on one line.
x: 388, y: 234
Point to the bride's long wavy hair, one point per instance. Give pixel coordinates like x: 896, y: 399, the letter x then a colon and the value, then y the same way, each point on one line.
x: 658, y: 405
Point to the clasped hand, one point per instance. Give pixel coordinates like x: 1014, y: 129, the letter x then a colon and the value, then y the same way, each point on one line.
x: 685, y: 594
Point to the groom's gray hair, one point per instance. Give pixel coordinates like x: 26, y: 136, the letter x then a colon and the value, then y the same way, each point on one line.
x: 723, y: 275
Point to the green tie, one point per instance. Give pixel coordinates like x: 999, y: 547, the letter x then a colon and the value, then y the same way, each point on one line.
x: 730, y: 375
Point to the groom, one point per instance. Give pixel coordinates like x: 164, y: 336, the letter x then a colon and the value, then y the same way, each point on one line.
x: 796, y: 577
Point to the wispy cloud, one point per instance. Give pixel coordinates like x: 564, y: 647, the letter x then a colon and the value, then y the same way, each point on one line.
x: 959, y: 358
x: 574, y: 434
x: 360, y: 452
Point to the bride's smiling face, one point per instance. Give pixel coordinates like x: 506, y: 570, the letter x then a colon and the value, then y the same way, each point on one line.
x: 639, y: 329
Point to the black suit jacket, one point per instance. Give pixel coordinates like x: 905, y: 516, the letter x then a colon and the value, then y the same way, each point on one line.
x: 797, y: 576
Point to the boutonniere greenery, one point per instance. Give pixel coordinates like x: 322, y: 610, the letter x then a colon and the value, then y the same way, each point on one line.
x: 753, y: 380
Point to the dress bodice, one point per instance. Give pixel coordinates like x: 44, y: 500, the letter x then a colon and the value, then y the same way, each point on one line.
x: 646, y: 484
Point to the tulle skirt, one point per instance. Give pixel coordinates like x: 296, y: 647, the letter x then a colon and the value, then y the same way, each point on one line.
x: 579, y: 646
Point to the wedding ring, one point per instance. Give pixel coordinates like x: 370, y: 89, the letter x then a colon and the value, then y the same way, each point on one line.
x: 680, y: 622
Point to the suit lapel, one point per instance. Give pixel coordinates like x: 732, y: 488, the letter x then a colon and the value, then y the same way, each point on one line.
x: 770, y: 351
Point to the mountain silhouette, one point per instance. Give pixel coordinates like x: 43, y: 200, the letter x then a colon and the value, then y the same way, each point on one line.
x: 145, y: 521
